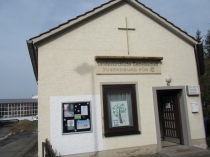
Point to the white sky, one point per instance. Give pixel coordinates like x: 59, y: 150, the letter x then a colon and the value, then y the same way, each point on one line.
x: 23, y: 19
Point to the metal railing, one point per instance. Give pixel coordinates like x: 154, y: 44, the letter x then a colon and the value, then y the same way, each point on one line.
x: 47, y: 150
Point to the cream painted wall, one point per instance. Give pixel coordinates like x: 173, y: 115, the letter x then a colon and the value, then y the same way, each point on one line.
x: 66, y: 68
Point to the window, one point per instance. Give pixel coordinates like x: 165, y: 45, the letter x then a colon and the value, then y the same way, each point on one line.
x: 120, y: 110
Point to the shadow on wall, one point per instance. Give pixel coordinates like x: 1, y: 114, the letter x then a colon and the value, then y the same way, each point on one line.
x: 84, y: 69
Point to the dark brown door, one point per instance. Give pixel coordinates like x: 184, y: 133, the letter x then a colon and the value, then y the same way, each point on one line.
x: 170, y: 119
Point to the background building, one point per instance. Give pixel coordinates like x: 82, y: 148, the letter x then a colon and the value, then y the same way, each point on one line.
x: 18, y: 109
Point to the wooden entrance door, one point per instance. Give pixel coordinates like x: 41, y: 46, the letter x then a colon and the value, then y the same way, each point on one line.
x: 169, y: 115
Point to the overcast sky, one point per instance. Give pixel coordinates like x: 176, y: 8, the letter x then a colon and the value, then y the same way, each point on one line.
x: 23, y: 19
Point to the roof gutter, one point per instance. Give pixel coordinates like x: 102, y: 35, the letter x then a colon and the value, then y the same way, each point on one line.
x: 34, y: 57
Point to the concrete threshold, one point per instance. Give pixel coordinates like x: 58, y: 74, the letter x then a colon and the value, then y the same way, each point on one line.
x: 183, y: 151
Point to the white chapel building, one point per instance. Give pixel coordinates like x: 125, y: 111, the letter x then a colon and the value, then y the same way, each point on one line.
x: 117, y: 81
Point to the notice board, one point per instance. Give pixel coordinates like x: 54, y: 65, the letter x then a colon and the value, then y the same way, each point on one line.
x: 76, y: 117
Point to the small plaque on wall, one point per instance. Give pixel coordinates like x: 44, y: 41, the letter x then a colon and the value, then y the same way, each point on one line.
x: 193, y: 90
x: 76, y: 117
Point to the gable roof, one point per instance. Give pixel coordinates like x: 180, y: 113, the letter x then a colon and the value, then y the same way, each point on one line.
x: 135, y: 3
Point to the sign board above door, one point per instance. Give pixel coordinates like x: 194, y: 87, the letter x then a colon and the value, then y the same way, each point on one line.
x: 122, y: 65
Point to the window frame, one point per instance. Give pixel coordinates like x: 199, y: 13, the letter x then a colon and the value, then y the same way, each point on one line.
x: 123, y: 130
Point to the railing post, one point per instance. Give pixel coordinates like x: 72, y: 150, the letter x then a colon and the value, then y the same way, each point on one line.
x: 43, y: 149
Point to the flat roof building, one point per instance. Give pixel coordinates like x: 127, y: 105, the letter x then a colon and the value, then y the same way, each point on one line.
x: 18, y: 109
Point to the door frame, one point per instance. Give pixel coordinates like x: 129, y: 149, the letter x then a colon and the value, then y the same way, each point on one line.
x: 183, y: 111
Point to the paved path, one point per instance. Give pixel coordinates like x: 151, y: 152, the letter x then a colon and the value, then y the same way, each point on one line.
x: 19, y: 144
x: 33, y: 152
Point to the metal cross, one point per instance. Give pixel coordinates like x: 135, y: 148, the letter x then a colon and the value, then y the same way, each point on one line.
x: 127, y: 29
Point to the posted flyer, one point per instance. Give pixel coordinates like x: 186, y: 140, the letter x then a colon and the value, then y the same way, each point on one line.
x: 119, y: 113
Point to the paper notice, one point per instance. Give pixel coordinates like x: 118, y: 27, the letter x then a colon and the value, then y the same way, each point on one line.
x: 84, y: 110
